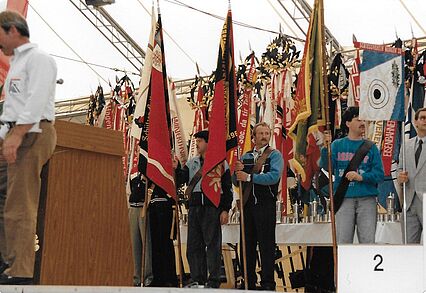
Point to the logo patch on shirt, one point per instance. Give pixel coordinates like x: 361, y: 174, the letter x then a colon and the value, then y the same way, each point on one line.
x: 14, y: 86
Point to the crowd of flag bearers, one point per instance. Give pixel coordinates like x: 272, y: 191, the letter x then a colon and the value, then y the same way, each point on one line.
x: 253, y: 128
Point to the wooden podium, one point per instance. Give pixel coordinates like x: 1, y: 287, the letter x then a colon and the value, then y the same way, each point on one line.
x: 83, y: 226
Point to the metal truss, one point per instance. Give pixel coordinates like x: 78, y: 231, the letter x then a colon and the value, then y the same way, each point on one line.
x: 75, y: 110
x: 299, y: 11
x: 113, y: 32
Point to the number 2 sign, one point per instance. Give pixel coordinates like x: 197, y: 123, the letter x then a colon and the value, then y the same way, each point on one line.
x: 380, y: 268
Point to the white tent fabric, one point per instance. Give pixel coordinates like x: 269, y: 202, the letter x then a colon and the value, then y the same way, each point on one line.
x: 197, y: 34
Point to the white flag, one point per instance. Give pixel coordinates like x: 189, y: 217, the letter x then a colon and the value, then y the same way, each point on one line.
x: 142, y: 93
x: 179, y: 139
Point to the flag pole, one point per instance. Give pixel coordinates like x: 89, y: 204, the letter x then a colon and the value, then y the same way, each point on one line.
x: 179, y: 244
x: 327, y: 119
x: 410, y: 100
x: 178, y: 239
x: 148, y: 193
x: 242, y: 225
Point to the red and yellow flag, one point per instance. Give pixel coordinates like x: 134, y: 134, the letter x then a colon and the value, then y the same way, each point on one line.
x: 200, y: 119
x: 309, y: 111
x: 222, y: 122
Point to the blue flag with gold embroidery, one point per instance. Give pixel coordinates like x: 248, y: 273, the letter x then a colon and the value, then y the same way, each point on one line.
x: 381, y: 86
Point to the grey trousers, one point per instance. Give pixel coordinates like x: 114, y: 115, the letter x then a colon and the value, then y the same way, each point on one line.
x: 414, y: 221
x: 204, y: 244
x: 136, y: 228
x: 361, y: 212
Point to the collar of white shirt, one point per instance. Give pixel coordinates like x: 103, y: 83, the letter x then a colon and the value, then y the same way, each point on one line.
x: 258, y: 153
x: 23, y: 48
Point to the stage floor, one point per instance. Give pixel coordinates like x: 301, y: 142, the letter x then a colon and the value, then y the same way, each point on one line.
x: 100, y: 289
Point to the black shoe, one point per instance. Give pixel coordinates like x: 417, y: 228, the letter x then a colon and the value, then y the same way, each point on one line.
x: 9, y: 280
x: 212, y: 284
x: 268, y: 288
x: 3, y: 267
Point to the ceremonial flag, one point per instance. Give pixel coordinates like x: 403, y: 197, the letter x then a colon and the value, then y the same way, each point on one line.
x: 244, y: 129
x: 353, y: 97
x: 222, y: 123
x: 381, y: 84
x: 338, y: 83
x: 417, y: 91
x: 308, y: 112
x: 133, y: 171
x: 200, y: 119
x: 179, y: 140
x: 20, y: 6
x: 287, y: 143
x: 159, y: 168
x: 141, y: 96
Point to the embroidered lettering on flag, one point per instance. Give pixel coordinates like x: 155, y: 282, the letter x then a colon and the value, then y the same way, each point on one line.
x: 381, y: 86
x: 353, y: 97
x: 388, y: 146
x: 179, y: 140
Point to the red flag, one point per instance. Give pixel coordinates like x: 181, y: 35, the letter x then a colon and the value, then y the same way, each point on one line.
x: 222, y: 122
x: 20, y: 6
x: 200, y: 121
x: 244, y: 130
x: 159, y: 168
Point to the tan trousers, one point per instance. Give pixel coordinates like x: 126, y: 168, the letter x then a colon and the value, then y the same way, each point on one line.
x: 3, y: 191
x: 23, y: 192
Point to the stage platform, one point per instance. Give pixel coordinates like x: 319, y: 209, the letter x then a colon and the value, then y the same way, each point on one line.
x: 100, y: 289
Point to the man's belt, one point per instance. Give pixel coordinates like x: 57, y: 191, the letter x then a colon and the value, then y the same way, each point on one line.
x: 13, y: 124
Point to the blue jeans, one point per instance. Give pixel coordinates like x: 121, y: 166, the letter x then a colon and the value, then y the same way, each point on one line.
x: 361, y: 212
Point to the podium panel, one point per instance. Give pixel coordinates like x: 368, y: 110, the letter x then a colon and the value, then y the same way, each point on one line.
x: 83, y: 226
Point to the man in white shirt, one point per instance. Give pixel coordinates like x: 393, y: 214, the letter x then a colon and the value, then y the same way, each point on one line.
x: 28, y: 140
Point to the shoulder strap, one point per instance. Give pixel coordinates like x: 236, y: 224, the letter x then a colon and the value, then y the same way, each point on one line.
x: 261, y: 160
x: 256, y: 169
x: 353, y: 165
x: 194, y: 180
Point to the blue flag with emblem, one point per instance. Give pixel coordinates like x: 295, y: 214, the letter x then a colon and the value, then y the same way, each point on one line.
x: 381, y: 86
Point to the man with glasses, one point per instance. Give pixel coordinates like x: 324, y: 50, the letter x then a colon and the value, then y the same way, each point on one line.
x: 414, y: 177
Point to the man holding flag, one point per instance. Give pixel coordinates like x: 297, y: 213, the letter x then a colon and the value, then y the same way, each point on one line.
x: 204, y: 245
x: 216, y: 186
x: 414, y: 177
x: 357, y: 165
x: 260, y: 170
x: 156, y: 164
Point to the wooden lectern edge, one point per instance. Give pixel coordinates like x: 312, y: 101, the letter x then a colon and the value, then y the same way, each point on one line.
x: 88, y: 138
